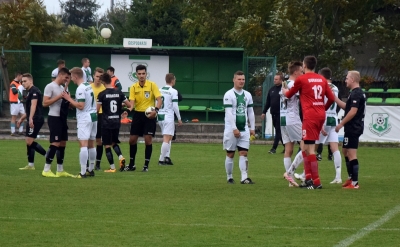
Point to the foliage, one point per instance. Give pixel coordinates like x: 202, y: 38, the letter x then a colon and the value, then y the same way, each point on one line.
x: 77, y: 35
x: 24, y: 21
x: 81, y: 13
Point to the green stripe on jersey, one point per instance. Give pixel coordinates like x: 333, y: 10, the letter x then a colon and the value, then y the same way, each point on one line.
x: 81, y: 100
x: 226, y: 106
x: 251, y: 105
x: 165, y: 88
x: 174, y: 100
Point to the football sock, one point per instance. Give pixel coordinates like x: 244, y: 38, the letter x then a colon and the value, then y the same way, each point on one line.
x: 320, y: 148
x: 296, y: 163
x: 30, y: 154
x: 329, y: 150
x: 337, y: 161
x: 92, y: 158
x: 109, y: 156
x: 312, y: 159
x: 49, y: 157
x: 99, y: 154
x: 287, y: 161
x: 349, y: 168
x: 354, y: 175
x: 307, y: 167
x: 21, y: 128
x: 169, y: 150
x: 229, y: 167
x: 117, y: 150
x: 243, y: 167
x: 60, y: 155
x: 12, y: 128
x: 132, y: 153
x: 36, y: 146
x: 147, y: 154
x: 83, y: 157
x: 164, y: 151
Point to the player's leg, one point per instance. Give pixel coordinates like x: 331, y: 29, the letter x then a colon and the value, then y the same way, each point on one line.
x: 243, y: 145
x: 115, y: 141
x: 330, y: 153
x: 333, y: 142
x: 30, y: 152
x: 287, y: 160
x: 136, y: 130
x: 22, y: 116
x: 320, y: 148
x: 107, y: 142
x: 229, y: 145
x: 99, y: 144
x: 149, y: 133
x: 168, y: 129
x: 12, y: 124
x: 92, y: 148
x: 351, y: 149
x: 349, y: 169
x: 83, y: 137
x: 31, y: 145
x: 55, y: 128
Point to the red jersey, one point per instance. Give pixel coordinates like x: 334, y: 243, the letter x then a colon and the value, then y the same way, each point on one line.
x: 312, y: 88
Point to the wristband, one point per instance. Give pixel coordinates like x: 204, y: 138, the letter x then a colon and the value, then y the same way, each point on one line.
x: 156, y: 109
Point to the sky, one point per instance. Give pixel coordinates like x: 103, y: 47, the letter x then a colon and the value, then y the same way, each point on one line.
x: 53, y: 6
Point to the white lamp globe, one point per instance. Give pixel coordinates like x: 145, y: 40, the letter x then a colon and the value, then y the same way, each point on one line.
x: 105, y: 33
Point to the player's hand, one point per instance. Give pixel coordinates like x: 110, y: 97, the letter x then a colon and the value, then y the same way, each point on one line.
x: 284, y: 91
x: 338, y: 127
x: 66, y: 96
x: 263, y: 116
x: 323, y: 132
x: 252, y: 132
x: 179, y: 122
x: 31, y: 123
x: 236, y: 133
x: 18, y: 123
x: 152, y: 115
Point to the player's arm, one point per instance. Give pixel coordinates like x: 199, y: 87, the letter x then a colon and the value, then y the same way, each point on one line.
x: 79, y: 104
x: 330, y: 96
x: 157, y: 95
x: 14, y: 90
x: 229, y: 115
x: 47, y: 99
x: 267, y: 105
x: 296, y: 87
x: 340, y: 103
x: 132, y: 98
x: 252, y: 119
x: 176, y: 111
x: 355, y: 103
x: 32, y: 113
x: 118, y: 85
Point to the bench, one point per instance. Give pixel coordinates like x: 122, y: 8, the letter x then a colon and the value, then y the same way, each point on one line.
x: 203, y: 107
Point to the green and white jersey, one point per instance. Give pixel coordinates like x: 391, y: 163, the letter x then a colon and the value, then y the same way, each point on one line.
x: 87, y: 74
x: 237, y: 103
x: 290, y: 108
x: 169, y: 96
x: 331, y: 115
x: 20, y: 93
x: 84, y: 93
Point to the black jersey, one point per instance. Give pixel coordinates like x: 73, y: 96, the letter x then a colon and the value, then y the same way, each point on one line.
x: 356, y: 125
x: 111, y: 103
x: 34, y: 93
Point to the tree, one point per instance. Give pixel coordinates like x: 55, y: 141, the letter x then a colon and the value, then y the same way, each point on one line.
x: 81, y: 13
x: 24, y: 21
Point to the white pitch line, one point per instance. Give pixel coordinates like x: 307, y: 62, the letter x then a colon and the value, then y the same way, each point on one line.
x: 197, y: 224
x: 371, y: 227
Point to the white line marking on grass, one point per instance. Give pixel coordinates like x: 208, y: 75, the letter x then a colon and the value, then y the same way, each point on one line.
x: 371, y: 227
x: 195, y: 224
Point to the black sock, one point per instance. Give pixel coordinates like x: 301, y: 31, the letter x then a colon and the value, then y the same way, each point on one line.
x: 147, y: 154
x: 109, y: 156
x: 349, y: 168
x: 329, y: 150
x: 36, y: 146
x: 31, y: 158
x: 60, y: 155
x: 320, y: 148
x: 117, y: 150
x: 132, y: 153
x: 99, y: 154
x: 50, y: 154
x: 354, y: 165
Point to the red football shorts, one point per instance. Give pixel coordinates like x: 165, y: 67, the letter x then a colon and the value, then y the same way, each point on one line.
x: 311, y: 129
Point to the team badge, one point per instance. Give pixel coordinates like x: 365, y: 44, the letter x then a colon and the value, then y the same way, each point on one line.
x: 380, y: 124
x: 147, y: 94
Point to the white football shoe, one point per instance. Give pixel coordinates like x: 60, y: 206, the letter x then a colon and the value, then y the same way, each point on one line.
x: 336, y: 181
x: 299, y: 177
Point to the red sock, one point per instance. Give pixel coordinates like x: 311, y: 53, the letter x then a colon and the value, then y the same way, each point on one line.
x: 307, y: 168
x: 312, y: 159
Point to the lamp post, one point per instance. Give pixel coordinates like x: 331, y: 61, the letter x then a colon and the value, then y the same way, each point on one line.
x: 104, y: 29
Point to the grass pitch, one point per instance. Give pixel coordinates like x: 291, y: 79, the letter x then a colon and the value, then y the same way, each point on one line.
x: 190, y: 204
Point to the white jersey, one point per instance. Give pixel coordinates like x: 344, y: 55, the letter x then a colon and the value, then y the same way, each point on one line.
x: 290, y: 108
x: 84, y: 93
x: 169, y: 106
x: 87, y: 74
x: 54, y: 73
x: 20, y: 93
x: 237, y: 102
x: 331, y: 114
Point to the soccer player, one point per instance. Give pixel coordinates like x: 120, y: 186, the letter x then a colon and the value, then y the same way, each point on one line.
x: 16, y: 106
x: 86, y: 116
x: 328, y: 135
x: 353, y: 123
x: 142, y: 95
x: 239, y: 111
x: 312, y: 88
x: 60, y: 65
x: 34, y: 114
x: 110, y: 100
x: 290, y: 121
x: 114, y: 80
x: 98, y: 87
x: 58, y: 127
x: 87, y: 71
x: 166, y: 117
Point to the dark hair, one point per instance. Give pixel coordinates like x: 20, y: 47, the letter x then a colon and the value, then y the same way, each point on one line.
x: 326, y: 72
x: 106, y: 78
x: 239, y: 72
x: 169, y: 77
x: 310, y: 62
x: 18, y: 73
x: 280, y: 74
x: 27, y: 75
x: 59, y: 61
x: 111, y: 69
x: 294, y: 66
x: 141, y: 67
x: 64, y: 71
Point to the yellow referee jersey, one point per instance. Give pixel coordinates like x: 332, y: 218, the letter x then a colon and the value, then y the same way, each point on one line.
x: 96, y: 91
x: 145, y: 96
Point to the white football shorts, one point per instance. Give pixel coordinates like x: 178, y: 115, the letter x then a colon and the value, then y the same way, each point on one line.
x: 16, y: 109
x: 167, y: 127
x: 291, y: 133
x: 230, y: 142
x: 332, y: 136
x: 87, y: 130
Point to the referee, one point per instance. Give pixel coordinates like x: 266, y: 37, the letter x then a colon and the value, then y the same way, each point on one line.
x: 142, y: 95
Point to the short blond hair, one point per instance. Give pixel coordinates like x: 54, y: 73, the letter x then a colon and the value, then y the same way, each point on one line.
x: 77, y: 71
x: 355, y: 75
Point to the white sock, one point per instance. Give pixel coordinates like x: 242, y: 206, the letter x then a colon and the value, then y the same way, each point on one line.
x: 120, y: 157
x: 229, y: 167
x: 112, y: 167
x: 164, y: 151
x: 92, y: 158
x: 47, y: 167
x: 13, y: 129
x: 287, y: 162
x: 31, y: 164
x: 83, y: 157
x: 296, y: 163
x: 169, y: 150
x: 60, y: 168
x: 337, y: 161
x: 21, y: 128
x: 243, y: 167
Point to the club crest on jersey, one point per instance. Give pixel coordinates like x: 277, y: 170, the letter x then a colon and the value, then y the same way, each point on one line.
x: 132, y: 75
x: 240, y: 108
x: 380, y: 124
x: 147, y: 94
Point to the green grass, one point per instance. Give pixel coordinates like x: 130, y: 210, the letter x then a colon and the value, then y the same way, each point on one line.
x: 190, y: 204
